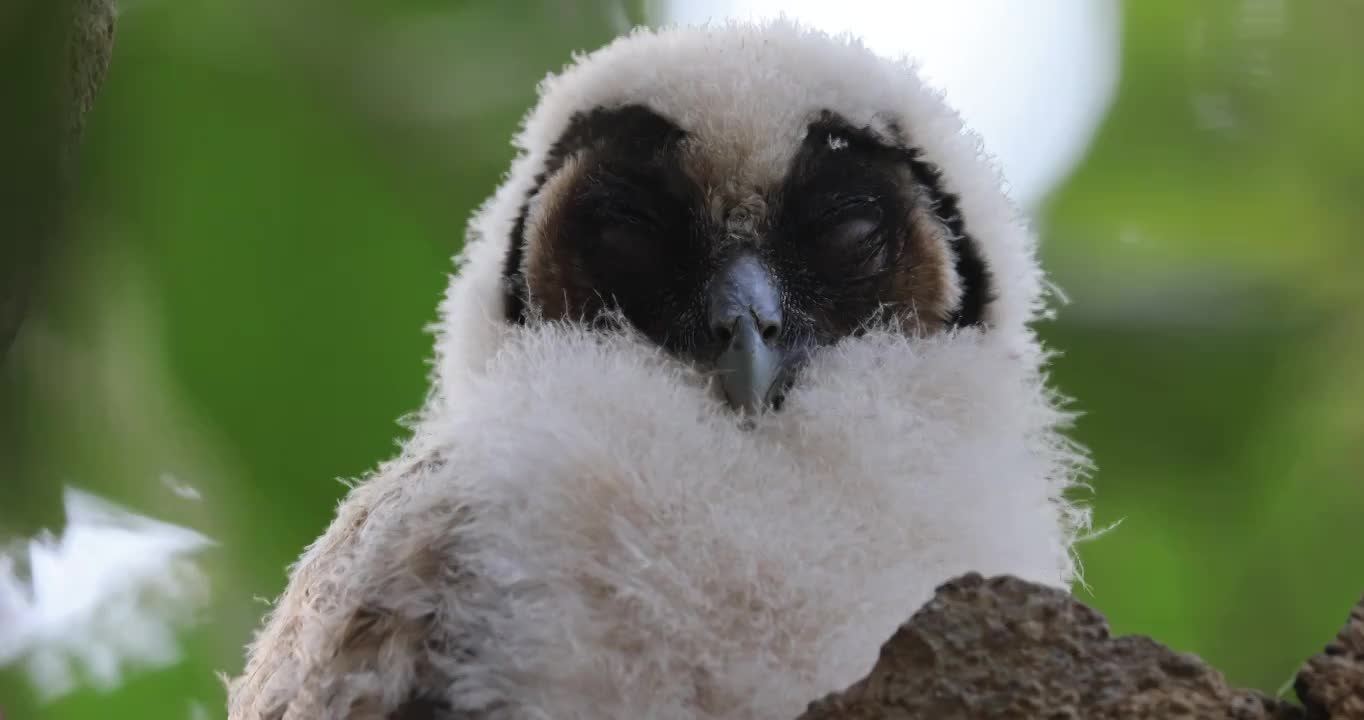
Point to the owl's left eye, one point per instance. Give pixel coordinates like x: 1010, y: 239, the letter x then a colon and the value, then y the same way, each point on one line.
x: 849, y: 224
x: 849, y: 234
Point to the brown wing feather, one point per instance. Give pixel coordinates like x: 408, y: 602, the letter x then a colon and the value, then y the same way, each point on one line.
x: 352, y: 635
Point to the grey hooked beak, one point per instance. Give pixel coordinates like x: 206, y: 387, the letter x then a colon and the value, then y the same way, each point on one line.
x: 745, y: 318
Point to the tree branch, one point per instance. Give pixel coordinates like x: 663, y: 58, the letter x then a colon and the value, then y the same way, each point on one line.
x: 1005, y: 648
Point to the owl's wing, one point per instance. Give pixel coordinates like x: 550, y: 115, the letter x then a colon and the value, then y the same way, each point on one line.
x: 360, y: 632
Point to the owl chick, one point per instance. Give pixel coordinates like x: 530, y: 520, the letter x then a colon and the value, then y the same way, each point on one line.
x: 736, y: 368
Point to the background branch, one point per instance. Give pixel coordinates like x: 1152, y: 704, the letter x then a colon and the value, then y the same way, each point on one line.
x: 54, y: 55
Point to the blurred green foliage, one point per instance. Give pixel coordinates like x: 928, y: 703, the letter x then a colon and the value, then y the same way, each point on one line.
x: 272, y: 192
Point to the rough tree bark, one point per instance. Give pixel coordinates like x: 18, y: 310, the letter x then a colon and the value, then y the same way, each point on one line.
x: 1005, y: 648
x: 53, y: 58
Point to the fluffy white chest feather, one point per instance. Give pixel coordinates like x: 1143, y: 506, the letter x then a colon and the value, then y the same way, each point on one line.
x: 640, y: 554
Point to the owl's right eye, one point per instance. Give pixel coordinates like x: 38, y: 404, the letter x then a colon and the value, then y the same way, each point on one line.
x: 630, y: 246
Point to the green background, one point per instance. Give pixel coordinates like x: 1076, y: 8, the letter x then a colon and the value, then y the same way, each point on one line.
x: 272, y: 192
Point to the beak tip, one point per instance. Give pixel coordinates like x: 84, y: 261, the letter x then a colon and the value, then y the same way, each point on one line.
x: 749, y: 404
x: 748, y: 375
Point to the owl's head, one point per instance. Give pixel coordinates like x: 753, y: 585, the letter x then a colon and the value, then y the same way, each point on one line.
x: 743, y: 195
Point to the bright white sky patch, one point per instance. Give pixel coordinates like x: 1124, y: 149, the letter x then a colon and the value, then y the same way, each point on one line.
x: 107, y: 593
x: 1033, y: 77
